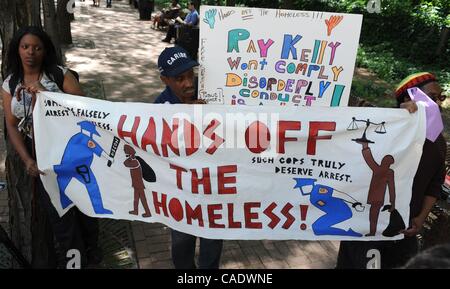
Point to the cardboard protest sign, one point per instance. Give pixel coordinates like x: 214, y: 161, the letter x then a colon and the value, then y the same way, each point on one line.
x: 261, y: 173
x: 257, y: 56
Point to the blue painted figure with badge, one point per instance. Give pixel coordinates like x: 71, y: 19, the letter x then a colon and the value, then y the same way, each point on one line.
x: 76, y: 163
x: 333, y: 203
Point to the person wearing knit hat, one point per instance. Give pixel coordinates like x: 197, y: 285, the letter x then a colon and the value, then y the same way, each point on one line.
x: 426, y: 189
x: 426, y: 81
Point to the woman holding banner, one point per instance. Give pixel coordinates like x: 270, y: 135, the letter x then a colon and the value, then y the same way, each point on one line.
x: 32, y: 66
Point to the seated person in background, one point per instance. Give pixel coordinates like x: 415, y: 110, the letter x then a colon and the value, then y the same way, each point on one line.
x: 162, y: 18
x: 190, y: 20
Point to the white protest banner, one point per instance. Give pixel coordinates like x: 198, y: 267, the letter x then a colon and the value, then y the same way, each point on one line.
x: 257, y: 173
x: 257, y: 56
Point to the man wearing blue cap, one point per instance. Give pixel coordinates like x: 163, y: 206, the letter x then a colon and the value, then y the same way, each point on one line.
x: 176, y: 69
x: 76, y: 163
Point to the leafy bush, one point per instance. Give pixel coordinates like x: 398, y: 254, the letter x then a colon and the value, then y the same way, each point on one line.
x: 377, y: 95
x: 400, y: 40
x: 381, y: 60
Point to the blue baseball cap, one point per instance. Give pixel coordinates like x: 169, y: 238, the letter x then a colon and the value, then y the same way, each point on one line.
x: 175, y: 60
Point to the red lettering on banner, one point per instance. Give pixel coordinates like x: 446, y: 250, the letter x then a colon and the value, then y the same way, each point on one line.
x: 176, y: 210
x: 209, y: 133
x: 231, y: 223
x: 158, y: 205
x: 212, y: 216
x: 314, y: 127
x: 274, y: 220
x: 170, y: 138
x: 131, y: 134
x: 205, y: 181
x: 192, y: 214
x: 223, y: 180
x: 283, y: 126
x: 191, y: 138
x: 303, y: 211
x: 215, y: 213
x: 250, y: 216
x: 149, y: 137
x: 289, y: 218
x: 180, y: 171
x: 257, y: 137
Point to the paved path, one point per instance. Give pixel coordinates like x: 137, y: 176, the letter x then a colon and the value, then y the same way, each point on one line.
x: 116, y: 55
x: 112, y: 47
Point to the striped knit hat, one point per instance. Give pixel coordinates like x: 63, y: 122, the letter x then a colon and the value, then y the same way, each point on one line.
x: 414, y: 80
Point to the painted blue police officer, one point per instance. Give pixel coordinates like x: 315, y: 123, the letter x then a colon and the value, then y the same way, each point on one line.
x: 76, y: 163
x: 333, y: 203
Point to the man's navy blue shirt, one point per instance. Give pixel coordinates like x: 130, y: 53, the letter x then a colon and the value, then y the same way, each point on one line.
x: 167, y: 96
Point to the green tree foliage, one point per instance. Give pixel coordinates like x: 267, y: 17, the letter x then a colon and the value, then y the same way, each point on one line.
x: 412, y: 24
x: 405, y: 37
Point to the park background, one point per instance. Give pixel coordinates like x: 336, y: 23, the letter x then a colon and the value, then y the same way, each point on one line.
x: 115, y: 52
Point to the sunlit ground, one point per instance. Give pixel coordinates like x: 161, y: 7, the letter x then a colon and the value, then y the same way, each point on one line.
x: 115, y: 49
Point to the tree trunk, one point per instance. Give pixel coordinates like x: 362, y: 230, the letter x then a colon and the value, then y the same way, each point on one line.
x: 50, y: 24
x: 63, y: 18
x: 15, y: 14
x: 7, y: 28
x: 36, y: 13
x: 20, y: 196
x: 445, y: 35
x: 28, y: 12
x: 23, y: 12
